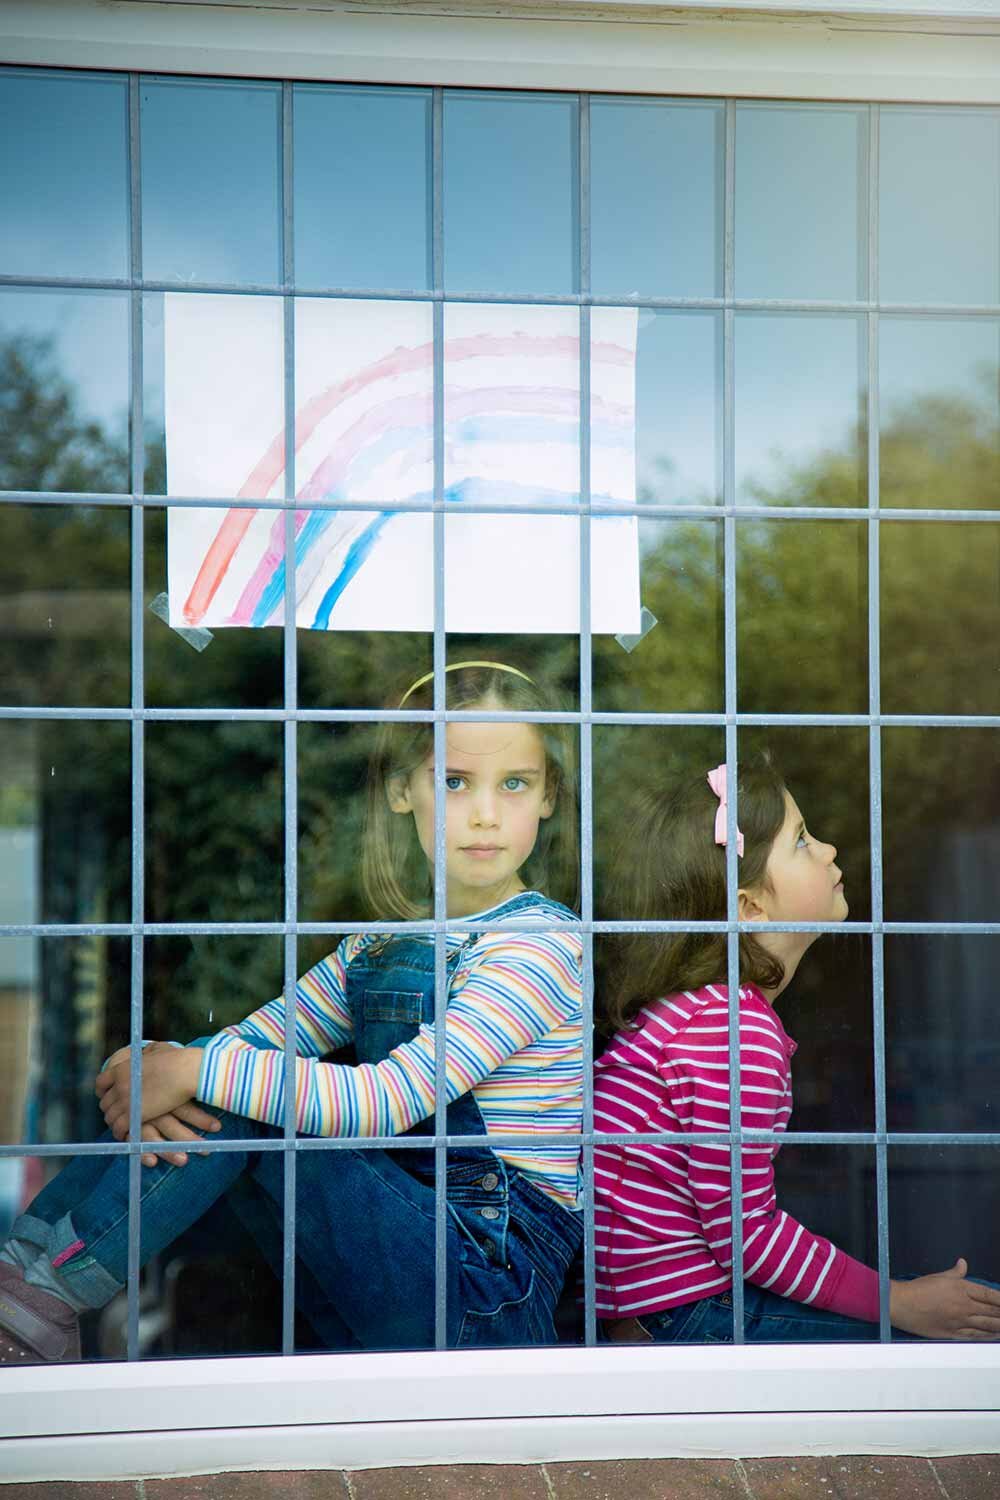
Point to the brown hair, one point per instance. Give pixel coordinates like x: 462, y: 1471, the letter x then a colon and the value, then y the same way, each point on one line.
x: 668, y: 868
x: 394, y: 873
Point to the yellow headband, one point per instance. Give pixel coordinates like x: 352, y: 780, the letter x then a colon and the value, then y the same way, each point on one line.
x: 456, y: 666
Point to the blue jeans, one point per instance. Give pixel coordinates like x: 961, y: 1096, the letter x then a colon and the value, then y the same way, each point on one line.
x: 365, y: 1235
x: 767, y: 1319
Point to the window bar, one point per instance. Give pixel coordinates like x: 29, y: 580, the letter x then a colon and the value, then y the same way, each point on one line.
x: 440, y: 748
x: 291, y: 784
x: 138, y: 482
x: 586, y: 742
x: 875, y: 737
x: 731, y: 698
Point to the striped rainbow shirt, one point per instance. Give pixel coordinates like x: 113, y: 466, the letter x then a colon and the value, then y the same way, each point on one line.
x: 514, y: 1037
x: 663, y: 1216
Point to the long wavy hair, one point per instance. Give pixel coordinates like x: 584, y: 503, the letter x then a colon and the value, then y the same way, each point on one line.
x: 668, y: 868
x: 395, y: 876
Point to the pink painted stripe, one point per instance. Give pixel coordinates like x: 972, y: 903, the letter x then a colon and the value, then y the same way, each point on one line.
x: 65, y: 1255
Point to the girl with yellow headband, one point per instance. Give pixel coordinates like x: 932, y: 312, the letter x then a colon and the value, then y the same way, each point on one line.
x: 366, y: 1221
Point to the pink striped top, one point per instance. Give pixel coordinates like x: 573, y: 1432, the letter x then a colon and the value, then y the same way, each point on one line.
x: 663, y: 1213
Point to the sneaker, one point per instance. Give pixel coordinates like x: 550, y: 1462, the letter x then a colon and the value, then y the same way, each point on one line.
x: 35, y: 1326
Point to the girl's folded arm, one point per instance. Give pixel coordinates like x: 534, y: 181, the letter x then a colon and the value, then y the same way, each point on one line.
x: 322, y: 1019
x: 779, y: 1253
x: 522, y: 988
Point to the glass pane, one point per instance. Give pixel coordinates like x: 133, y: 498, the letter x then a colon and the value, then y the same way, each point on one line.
x: 678, y: 666
x: 655, y: 406
x: 941, y: 802
x: 941, y: 1060
x: 360, y: 669
x: 64, y: 605
x: 938, y: 190
x: 656, y: 184
x: 63, y: 160
x: 510, y: 192
x: 801, y: 201
x: 939, y: 406
x: 827, y: 1008
x: 940, y: 603
x: 213, y: 396
x: 64, y: 386
x: 802, y: 616
x: 210, y: 181
x: 333, y: 777
x: 800, y: 410
x: 944, y: 1201
x: 362, y: 187
x: 199, y: 668
x: 66, y: 804
x: 214, y: 837
x: 64, y: 1007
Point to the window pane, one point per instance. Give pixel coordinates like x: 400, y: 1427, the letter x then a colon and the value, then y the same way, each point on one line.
x: 510, y: 192
x: 333, y: 773
x: 940, y: 602
x: 210, y: 181
x: 63, y: 160
x: 944, y: 1201
x: 678, y: 666
x: 64, y: 385
x: 939, y: 231
x: 655, y: 413
x: 941, y: 1059
x: 939, y: 403
x: 220, y: 668
x: 64, y: 605
x: 214, y: 839
x: 67, y: 807
x: 800, y: 415
x: 656, y: 198
x: 362, y: 187
x: 801, y: 200
x: 941, y: 802
x: 214, y: 395
x: 802, y: 616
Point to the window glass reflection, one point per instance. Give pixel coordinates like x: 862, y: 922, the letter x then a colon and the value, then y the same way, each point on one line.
x: 659, y: 406
x: 362, y: 190
x: 941, y: 824
x: 510, y: 192
x: 800, y: 418
x: 938, y: 191
x: 939, y: 402
x: 678, y: 666
x: 64, y: 390
x: 210, y: 181
x: 64, y: 605
x: 63, y: 161
x: 801, y: 198
x: 940, y: 604
x: 656, y: 198
x: 941, y: 1058
x: 213, y: 822
x: 802, y: 616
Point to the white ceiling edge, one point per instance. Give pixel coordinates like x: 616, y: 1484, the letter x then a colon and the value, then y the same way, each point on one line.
x: 939, y: 10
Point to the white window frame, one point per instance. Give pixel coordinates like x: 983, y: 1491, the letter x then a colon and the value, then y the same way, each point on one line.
x: 164, y: 1417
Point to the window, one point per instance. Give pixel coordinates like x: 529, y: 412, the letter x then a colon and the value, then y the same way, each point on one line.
x: 814, y: 415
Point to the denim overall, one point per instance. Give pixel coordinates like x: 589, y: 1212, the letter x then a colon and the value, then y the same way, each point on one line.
x: 365, y: 1219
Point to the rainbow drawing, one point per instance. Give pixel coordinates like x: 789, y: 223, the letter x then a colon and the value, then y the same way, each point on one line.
x: 364, y: 439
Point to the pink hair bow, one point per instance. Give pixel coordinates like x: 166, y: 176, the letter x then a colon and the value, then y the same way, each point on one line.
x: 717, y: 781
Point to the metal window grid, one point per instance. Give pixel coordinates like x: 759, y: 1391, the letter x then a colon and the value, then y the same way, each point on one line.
x: 290, y: 715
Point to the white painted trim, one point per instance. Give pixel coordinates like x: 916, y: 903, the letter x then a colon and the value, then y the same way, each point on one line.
x: 522, y: 1440
x: 804, y: 57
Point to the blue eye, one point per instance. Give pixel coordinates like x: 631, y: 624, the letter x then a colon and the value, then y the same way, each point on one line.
x: 454, y: 783
x: 514, y: 783
x: 803, y: 841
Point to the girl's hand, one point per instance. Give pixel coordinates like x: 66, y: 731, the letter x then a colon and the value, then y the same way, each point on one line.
x: 169, y: 1079
x: 946, y: 1306
x: 188, y: 1122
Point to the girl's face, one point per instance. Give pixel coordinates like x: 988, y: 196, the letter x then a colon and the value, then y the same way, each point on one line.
x: 496, y: 794
x: 805, y: 883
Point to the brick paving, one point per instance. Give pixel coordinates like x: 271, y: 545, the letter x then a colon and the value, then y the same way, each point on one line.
x: 974, y: 1477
